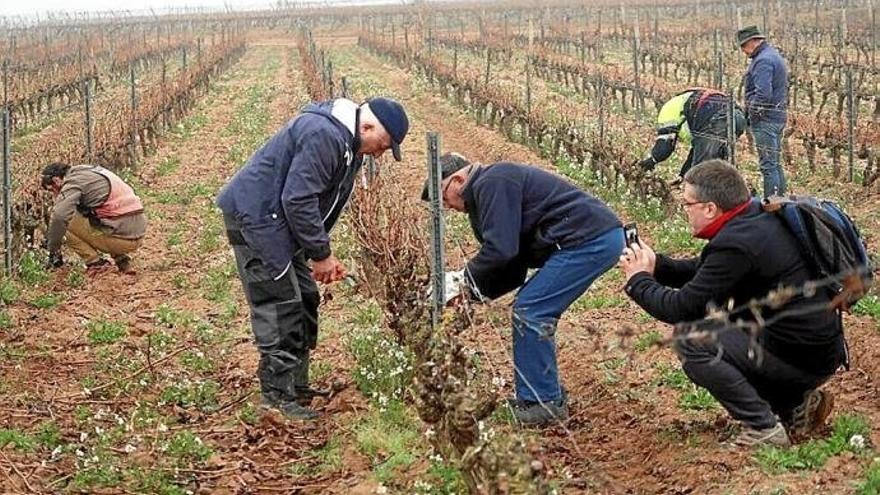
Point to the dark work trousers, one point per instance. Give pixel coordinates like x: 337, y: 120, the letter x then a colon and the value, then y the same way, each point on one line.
x: 284, y: 316
x: 751, y: 391
x: 709, y: 141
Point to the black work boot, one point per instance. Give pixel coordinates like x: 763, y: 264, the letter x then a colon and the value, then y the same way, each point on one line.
x: 290, y: 408
x: 279, y: 392
x: 529, y: 413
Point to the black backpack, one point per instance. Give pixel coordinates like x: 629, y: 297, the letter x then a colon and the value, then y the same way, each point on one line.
x: 831, y: 243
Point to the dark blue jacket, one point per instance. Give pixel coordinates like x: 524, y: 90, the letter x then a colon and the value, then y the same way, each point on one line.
x: 521, y: 215
x: 766, y: 86
x: 293, y: 189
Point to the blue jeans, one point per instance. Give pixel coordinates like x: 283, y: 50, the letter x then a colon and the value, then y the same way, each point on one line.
x: 768, y: 141
x: 566, y: 275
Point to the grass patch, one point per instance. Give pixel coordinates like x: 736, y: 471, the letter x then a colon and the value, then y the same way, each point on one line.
x: 9, y: 292
x: 18, y: 440
x: 32, y: 268
x: 186, y: 446
x: 871, y: 484
x: 167, y: 166
x: 592, y: 300
x: 5, y: 319
x: 813, y: 454
x: 389, y: 438
x: 103, y: 332
x: 47, y: 301
x: 329, y: 456
x: 77, y: 277
x: 201, y: 394
x: 647, y: 340
x: 693, y: 398
x: 868, y: 306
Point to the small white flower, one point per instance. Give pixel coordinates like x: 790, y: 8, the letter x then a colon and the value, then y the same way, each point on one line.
x: 162, y: 427
x: 82, y: 436
x: 857, y: 442
x: 381, y: 490
x: 129, y: 448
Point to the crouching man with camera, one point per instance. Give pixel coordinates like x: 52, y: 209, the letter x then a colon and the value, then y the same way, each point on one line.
x: 771, y: 384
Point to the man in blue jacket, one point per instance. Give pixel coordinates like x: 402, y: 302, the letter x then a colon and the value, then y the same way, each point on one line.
x: 766, y: 102
x: 279, y: 210
x: 524, y: 218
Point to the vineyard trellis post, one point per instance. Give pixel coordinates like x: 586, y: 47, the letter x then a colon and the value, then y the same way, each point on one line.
x: 488, y: 65
x: 184, y: 59
x: 851, y: 121
x: 637, y: 92
x: 434, y: 195
x: 344, y: 87
x: 719, y: 63
x: 133, y: 107
x: 529, y: 70
x: 731, y: 126
x: 601, y: 97
x: 87, y: 103
x: 7, y: 182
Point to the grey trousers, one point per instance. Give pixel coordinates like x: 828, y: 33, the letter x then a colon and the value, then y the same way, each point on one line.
x: 284, y: 316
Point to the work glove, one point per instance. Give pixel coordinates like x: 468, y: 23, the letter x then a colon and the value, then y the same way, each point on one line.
x: 452, y: 282
x: 55, y: 260
x: 647, y: 164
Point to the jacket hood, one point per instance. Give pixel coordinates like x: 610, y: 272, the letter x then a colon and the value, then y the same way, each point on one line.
x: 341, y: 110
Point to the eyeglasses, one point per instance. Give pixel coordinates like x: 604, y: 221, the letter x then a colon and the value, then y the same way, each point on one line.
x: 687, y: 204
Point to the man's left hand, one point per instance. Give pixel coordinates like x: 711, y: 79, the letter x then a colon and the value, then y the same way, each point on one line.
x: 637, y: 258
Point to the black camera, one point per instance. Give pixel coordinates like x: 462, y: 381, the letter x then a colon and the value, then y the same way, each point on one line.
x: 630, y: 234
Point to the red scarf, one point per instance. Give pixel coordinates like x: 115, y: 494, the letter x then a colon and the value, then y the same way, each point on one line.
x: 711, y: 230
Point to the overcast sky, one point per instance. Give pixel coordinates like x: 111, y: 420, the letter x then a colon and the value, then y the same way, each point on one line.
x: 30, y: 7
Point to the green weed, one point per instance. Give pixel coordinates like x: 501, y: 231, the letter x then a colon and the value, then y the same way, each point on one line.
x: 32, y: 268
x: 196, y: 361
x: 647, y: 340
x: 77, y: 277
x: 47, y: 301
x: 99, y: 475
x: 154, y: 482
x: 101, y: 332
x: 330, y: 456
x: 5, y: 319
x: 19, y: 440
x: 186, y: 446
x: 168, y: 165
x: 697, y: 399
x: 388, y: 438
x: 868, y: 306
x: 384, y: 368
x: 9, y: 292
x: 813, y: 454
x: 201, y: 394
x: 871, y: 484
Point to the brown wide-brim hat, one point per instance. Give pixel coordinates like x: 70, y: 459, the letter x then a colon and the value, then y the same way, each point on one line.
x: 748, y: 33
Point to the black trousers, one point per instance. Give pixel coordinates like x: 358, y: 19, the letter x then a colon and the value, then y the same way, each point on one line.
x: 710, y: 140
x: 753, y: 388
x: 284, y: 315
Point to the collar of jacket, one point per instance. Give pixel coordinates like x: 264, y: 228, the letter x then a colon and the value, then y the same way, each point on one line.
x: 711, y: 230
x: 759, y: 49
x: 467, y: 194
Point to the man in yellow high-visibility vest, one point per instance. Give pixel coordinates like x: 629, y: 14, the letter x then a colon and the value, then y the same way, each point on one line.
x: 697, y: 116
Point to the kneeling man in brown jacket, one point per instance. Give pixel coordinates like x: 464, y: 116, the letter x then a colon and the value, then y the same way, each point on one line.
x: 98, y: 212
